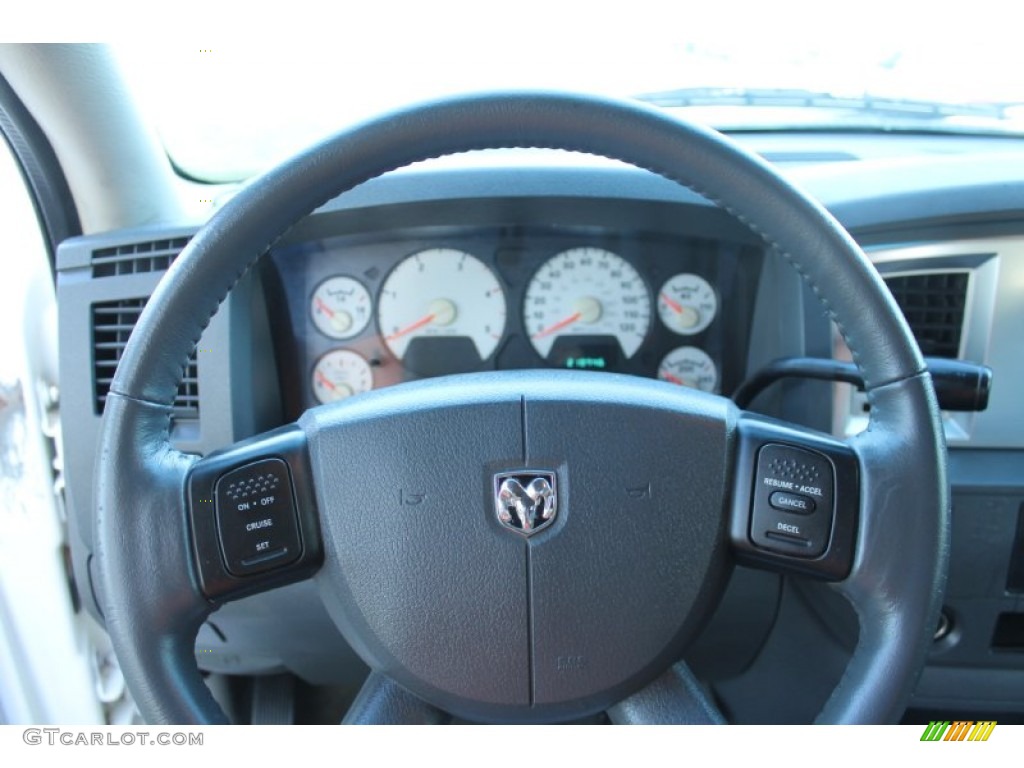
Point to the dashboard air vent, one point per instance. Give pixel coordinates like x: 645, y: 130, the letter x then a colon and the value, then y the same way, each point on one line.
x: 112, y: 324
x: 933, y: 303
x: 154, y: 256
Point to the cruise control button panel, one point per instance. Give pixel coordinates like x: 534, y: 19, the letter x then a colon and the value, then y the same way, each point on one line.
x: 793, y: 501
x: 256, y: 518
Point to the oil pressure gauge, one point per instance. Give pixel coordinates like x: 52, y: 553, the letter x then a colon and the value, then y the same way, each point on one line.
x: 687, y: 304
x: 340, y: 307
x: 339, y: 374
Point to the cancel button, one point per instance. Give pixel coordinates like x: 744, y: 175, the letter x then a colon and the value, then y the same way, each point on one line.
x: 792, y: 502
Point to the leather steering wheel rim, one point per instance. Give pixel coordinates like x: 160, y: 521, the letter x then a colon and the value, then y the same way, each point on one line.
x: 150, y: 594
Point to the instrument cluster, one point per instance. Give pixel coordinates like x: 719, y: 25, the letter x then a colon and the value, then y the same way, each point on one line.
x: 365, y: 314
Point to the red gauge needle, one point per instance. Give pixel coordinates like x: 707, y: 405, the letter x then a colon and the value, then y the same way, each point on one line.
x: 323, y: 307
x: 558, y: 326
x: 674, y: 305
x: 325, y: 381
x: 413, y: 326
x: 674, y: 379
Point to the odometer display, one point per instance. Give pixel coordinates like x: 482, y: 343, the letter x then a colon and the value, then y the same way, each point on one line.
x: 587, y: 292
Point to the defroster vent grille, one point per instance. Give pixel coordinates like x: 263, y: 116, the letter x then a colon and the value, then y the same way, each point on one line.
x: 933, y: 303
x: 112, y: 324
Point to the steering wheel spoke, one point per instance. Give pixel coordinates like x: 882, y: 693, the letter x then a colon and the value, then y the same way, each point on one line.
x: 795, y: 501
x: 675, y: 698
x: 382, y: 701
x: 253, y: 515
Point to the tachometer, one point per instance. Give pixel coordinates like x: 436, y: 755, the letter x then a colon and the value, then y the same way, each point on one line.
x: 587, y: 292
x: 441, y: 293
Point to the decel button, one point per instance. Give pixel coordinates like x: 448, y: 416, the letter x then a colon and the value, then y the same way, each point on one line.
x: 256, y: 518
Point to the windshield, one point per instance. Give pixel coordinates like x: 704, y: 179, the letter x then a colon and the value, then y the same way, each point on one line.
x: 230, y: 110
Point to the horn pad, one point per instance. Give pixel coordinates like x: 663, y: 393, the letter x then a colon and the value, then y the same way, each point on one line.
x: 522, y: 549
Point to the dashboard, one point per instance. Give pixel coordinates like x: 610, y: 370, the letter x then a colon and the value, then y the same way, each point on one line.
x: 453, y: 268
x: 359, y: 313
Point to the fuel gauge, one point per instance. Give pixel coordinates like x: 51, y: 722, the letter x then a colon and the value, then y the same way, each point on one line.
x: 341, y: 307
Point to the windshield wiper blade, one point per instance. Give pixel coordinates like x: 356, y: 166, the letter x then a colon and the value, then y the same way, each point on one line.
x: 795, y: 97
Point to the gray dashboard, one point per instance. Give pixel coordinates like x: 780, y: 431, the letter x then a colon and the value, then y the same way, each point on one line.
x: 251, y: 369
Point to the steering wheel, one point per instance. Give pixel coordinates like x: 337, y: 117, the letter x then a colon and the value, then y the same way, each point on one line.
x: 575, y: 529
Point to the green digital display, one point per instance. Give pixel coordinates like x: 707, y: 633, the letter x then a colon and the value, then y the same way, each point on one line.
x: 586, y: 353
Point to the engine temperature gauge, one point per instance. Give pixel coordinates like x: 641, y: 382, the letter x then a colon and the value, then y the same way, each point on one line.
x: 689, y: 367
x: 340, y: 374
x: 687, y: 304
x: 340, y: 307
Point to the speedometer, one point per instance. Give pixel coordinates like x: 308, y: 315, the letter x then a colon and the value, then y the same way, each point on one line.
x: 438, y: 297
x: 587, y: 292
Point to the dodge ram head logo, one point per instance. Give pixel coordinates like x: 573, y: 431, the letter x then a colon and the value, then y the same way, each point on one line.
x: 526, y: 502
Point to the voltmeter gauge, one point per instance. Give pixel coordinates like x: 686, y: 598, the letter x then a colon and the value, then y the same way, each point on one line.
x: 689, y: 367
x: 341, y: 307
x: 339, y: 374
x: 687, y: 304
